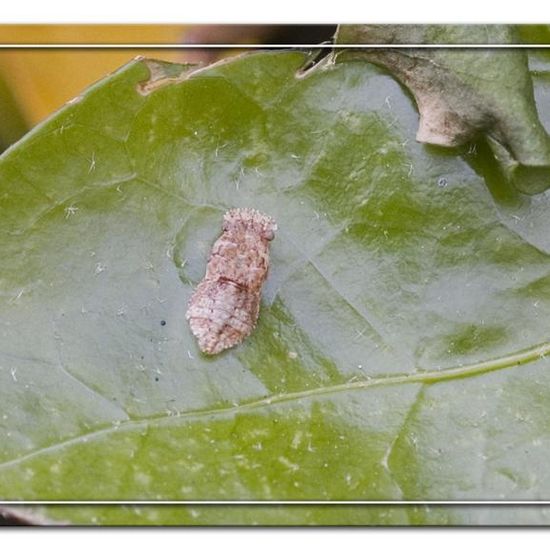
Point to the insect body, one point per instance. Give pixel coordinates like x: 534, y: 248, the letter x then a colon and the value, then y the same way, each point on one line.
x: 224, y: 308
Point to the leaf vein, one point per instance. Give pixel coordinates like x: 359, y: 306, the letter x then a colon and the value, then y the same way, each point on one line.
x: 523, y: 357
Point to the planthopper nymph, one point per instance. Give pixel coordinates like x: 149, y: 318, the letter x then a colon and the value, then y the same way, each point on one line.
x: 225, y: 305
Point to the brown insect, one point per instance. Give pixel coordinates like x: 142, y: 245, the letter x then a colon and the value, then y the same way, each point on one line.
x: 224, y: 308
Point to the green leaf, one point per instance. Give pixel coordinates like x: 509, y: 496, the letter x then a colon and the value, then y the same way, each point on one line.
x: 464, y: 93
x: 400, y: 351
x: 295, y: 514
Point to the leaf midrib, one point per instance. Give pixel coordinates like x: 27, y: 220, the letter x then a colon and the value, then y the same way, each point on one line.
x: 519, y: 358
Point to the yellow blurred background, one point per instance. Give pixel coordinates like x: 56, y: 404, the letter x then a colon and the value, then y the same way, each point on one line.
x: 42, y: 80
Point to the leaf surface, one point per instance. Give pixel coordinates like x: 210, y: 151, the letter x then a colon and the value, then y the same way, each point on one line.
x: 464, y: 93
x: 400, y: 351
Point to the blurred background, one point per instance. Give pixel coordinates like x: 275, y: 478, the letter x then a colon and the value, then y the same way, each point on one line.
x: 36, y: 82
